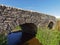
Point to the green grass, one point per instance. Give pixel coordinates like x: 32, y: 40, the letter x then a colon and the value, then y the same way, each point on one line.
x: 17, y: 28
x: 3, y: 39
x: 48, y: 37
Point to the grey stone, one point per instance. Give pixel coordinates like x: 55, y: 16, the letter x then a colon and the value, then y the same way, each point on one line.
x: 11, y: 17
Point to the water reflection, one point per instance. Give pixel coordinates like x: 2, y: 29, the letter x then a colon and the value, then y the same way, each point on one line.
x: 13, y: 38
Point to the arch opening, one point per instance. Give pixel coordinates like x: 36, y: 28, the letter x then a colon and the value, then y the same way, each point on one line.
x: 50, y: 25
x: 29, y: 28
x: 29, y: 31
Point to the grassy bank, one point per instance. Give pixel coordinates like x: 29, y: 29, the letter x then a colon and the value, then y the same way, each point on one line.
x: 48, y: 37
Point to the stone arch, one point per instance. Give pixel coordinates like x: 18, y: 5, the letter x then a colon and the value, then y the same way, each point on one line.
x: 50, y: 25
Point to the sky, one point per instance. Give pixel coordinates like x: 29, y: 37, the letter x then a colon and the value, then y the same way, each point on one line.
x: 50, y: 7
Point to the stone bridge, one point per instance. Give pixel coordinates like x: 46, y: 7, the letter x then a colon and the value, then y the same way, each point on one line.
x: 11, y: 17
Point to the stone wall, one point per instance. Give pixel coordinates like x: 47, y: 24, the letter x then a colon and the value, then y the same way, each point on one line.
x: 11, y: 17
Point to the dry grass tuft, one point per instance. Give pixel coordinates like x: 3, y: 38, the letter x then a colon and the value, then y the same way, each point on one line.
x: 58, y: 25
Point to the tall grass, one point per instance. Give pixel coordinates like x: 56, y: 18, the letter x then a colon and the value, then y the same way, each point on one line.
x: 48, y: 37
x: 58, y: 25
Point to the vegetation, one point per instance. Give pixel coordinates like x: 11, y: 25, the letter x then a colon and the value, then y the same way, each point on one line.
x: 48, y: 37
x: 17, y: 28
x: 3, y: 39
x: 58, y: 25
x: 44, y: 35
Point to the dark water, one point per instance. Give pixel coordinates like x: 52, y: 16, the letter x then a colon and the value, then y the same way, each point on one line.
x: 13, y: 38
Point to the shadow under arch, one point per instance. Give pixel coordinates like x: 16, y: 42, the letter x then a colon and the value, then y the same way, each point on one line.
x: 29, y: 31
x: 30, y: 28
x: 50, y: 25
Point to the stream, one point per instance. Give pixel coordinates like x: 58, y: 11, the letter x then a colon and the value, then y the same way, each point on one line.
x: 13, y: 38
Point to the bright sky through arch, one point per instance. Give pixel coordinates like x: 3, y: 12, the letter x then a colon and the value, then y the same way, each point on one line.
x: 51, y: 7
